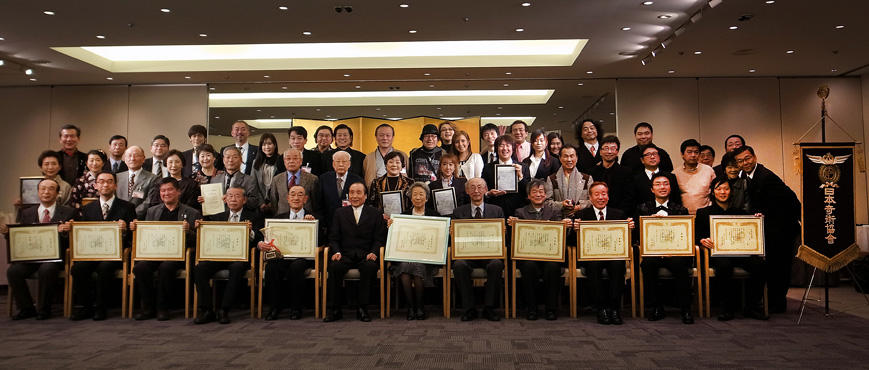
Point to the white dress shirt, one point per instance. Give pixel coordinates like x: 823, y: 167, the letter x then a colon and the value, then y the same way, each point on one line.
x: 597, y: 212
x: 42, y: 208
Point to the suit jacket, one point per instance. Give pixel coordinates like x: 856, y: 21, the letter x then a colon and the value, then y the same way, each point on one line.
x: 277, y: 196
x: 618, y: 178
x: 547, y: 213
x: 369, y: 164
x: 251, y: 156
x: 509, y: 202
x: 778, y: 203
x: 256, y: 223
x: 81, y: 166
x: 611, y: 213
x: 547, y: 166
x: 631, y: 160
x: 30, y: 216
x: 489, y: 211
x: 330, y: 199
x: 577, y: 187
x: 584, y: 160
x: 356, y: 161
x: 251, y: 190
x: 107, y: 167
x: 146, y: 182
x: 356, y: 240
x: 149, y: 165
x: 458, y: 184
x: 313, y: 160
x: 120, y: 210
x: 641, y: 191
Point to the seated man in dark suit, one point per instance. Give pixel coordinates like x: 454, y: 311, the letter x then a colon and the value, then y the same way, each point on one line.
x: 156, y: 303
x: 294, y: 270
x: 47, y: 211
x: 205, y: 270
x: 679, y: 266
x: 355, y: 236
x: 552, y: 283
x: 109, y: 208
x: 606, y: 299
x: 476, y: 189
x: 335, y: 184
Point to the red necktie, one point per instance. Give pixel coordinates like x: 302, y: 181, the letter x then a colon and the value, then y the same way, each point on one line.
x: 292, y: 181
x: 46, y: 218
x: 591, y: 149
x: 601, y: 215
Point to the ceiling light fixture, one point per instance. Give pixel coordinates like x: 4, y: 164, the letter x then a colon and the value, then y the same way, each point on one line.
x: 109, y: 78
x: 698, y: 52
x: 28, y: 71
x: 404, y: 5
x: 643, y: 61
x: 33, y: 79
x: 426, y: 74
x: 732, y: 27
x: 508, y: 73
x: 671, y: 71
x: 2, y: 39
x: 267, y: 76
x: 358, y: 87
x: 380, y: 98
x: 203, y: 35
x: 346, y: 75
x: 520, y: 29
x: 47, y: 12
x: 166, y: 10
x: 560, y: 107
x: 526, y: 4
x: 282, y: 8
x: 752, y: 70
x: 411, y: 31
x: 665, y: 16
x: 186, y: 77
x: 789, y: 52
x: 2, y: 62
x: 101, y: 37
x: 834, y: 70
x: 589, y: 72
x: 626, y: 28
x: 306, y: 33
x: 580, y: 84
x: 283, y: 87
x: 839, y: 27
x: 430, y: 85
x: 770, y: 1
x: 505, y: 85
x: 647, y: 3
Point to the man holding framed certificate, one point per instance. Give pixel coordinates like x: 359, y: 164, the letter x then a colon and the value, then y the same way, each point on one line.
x: 47, y: 212
x: 108, y: 208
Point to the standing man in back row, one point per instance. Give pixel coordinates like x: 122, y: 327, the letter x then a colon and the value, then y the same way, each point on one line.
x: 632, y: 157
x: 373, y: 163
x: 344, y: 143
x: 312, y: 161
x: 241, y: 131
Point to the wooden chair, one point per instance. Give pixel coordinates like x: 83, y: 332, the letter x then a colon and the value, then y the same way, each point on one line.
x: 663, y: 273
x: 738, y: 273
x: 479, y: 277
x: 314, y: 273
x: 119, y: 274
x: 517, y: 274
x: 182, y: 274
x: 353, y: 274
x: 67, y: 293
x: 224, y: 276
x: 438, y: 274
x: 578, y: 273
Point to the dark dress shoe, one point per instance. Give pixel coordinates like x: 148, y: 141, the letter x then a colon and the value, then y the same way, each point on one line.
x: 755, y: 313
x: 656, y: 314
x: 420, y: 314
x: 615, y: 317
x: 204, y: 317
x: 362, y: 315
x: 687, y: 318
x: 469, y: 315
x: 25, y: 313
x: 725, y: 316
x: 532, y: 315
x: 80, y: 313
x: 162, y: 315
x: 333, y: 315
x: 223, y: 317
x: 295, y: 314
x: 99, y: 314
x: 490, y: 315
x: 603, y: 316
x: 410, y: 314
x: 145, y: 315
x: 43, y: 315
x: 273, y: 314
x: 551, y: 315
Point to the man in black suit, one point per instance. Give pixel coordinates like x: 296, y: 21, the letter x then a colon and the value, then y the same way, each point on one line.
x: 312, y: 161
x: 476, y: 189
x: 343, y: 143
x: 47, y: 211
x: 616, y: 176
x: 489, y: 133
x: 117, y: 147
x: 632, y: 157
x: 607, y: 298
x: 241, y: 131
x: 293, y: 270
x: 156, y: 165
x: 355, y: 236
x: 588, y: 133
x: 198, y: 136
x: 531, y: 270
x: 509, y: 202
x: 156, y: 302
x: 72, y: 160
x: 332, y: 181
x: 205, y: 270
x: 731, y: 143
x: 109, y: 208
x: 642, y: 181
x: 782, y: 210
x: 679, y: 267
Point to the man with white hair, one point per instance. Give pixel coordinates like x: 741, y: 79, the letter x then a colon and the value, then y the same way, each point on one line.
x: 135, y: 185
x: 335, y: 184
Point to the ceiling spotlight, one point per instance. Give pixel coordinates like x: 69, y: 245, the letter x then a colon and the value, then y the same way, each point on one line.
x: 203, y: 35
x: 33, y: 79
x: 101, y: 37
x: 752, y: 70
x: 580, y: 84
x: 2, y: 39
x: 28, y: 71
x: 839, y: 27
x: 48, y: 12
x: 526, y: 4
x: 834, y: 70
x: 789, y: 52
x: 671, y: 71
x: 166, y: 10
x: 376, y: 108
x: 589, y: 72
x: 643, y: 61
x: 346, y: 75
x: 212, y: 89
x: 505, y: 85
x: 500, y: 107
x: 358, y: 87
x: 186, y: 77
x: 654, y: 54
x: 283, y: 87
x: 732, y: 27
x: 282, y: 8
x: 306, y: 33
x: 438, y: 108
x: 770, y: 1
x: 698, y: 52
x: 665, y: 16
x: 508, y: 73
x: 411, y: 31
x: 626, y: 28
x: 560, y: 107
x: 318, y: 109
x: 647, y: 3
x: 2, y: 62
x: 404, y: 5
x: 259, y: 110
x: 520, y: 29
x: 109, y: 78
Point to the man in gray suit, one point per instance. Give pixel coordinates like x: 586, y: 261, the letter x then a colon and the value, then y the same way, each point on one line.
x: 567, y: 188
x: 233, y: 177
x: 170, y: 210
x: 134, y: 184
x: 476, y: 189
x: 294, y: 176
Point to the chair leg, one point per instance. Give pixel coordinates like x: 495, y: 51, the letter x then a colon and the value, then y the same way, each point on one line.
x: 506, y: 291
x: 252, y: 286
x: 67, y: 296
x: 513, y: 289
x: 388, y: 296
x: 195, y: 304
x: 699, y: 293
x: 633, y: 287
x: 642, y: 286
x: 124, y: 295
x: 9, y: 300
x: 132, y: 290
x: 382, y: 296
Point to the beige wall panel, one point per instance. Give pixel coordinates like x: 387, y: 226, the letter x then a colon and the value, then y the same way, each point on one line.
x: 166, y: 110
x: 100, y: 112
x: 670, y: 105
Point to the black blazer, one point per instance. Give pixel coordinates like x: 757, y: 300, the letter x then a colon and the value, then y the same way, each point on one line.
x: 610, y: 213
x: 256, y: 222
x: 649, y: 208
x: 631, y: 159
x: 107, y: 167
x: 356, y: 161
x: 120, y: 210
x: 357, y: 240
x: 188, y: 170
x: 701, y: 221
x: 547, y: 166
x: 330, y: 200
x: 81, y: 166
x: 489, y: 211
x: 778, y: 203
x: 314, y: 160
x: 618, y: 178
x: 584, y: 160
x: 509, y: 202
x: 30, y: 216
x: 428, y: 212
x: 547, y: 213
x: 641, y: 190
x: 253, y: 150
x: 148, y: 165
x: 458, y: 184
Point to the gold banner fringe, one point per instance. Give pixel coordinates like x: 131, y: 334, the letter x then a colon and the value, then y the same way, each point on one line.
x: 812, y: 257
x: 797, y: 156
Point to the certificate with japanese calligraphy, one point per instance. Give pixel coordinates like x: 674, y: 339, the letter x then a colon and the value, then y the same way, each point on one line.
x: 222, y: 241
x: 293, y: 238
x: 603, y: 240
x: 667, y: 236
x: 736, y: 235
x: 478, y: 239
x: 159, y: 241
x: 421, y: 239
x: 538, y: 240
x: 96, y: 241
x: 29, y: 243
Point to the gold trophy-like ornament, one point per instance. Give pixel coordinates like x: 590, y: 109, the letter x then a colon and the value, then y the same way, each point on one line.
x: 829, y: 172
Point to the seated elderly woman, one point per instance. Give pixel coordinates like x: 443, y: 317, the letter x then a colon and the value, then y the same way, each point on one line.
x: 415, y: 276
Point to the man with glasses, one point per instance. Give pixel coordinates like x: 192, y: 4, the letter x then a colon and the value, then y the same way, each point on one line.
x: 639, y: 193
x: 157, y: 163
x: 632, y: 158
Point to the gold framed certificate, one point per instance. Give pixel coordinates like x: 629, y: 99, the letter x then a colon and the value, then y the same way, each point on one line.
x: 33, y: 243
x: 96, y: 241
x: 158, y: 241
x: 294, y: 238
x: 603, y: 240
x: 29, y: 189
x: 737, y: 235
x: 662, y: 236
x: 477, y: 239
x: 421, y: 239
x: 538, y: 240
x: 222, y: 241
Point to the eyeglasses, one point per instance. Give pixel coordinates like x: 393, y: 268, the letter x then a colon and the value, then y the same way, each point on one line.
x: 653, y: 154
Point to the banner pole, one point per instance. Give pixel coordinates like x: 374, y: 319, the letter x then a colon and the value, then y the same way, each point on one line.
x: 806, y: 296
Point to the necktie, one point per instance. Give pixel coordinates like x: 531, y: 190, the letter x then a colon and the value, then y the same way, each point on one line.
x: 340, y: 183
x: 228, y: 182
x: 591, y: 149
x: 131, y: 185
x: 46, y: 218
x: 600, y: 215
x: 662, y: 208
x: 115, y: 167
x: 491, y: 157
x: 292, y: 181
x: 234, y: 217
x: 158, y: 169
x: 478, y: 213
x: 357, y: 214
x: 105, y: 210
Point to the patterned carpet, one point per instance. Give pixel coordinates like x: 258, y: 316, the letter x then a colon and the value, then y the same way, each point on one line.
x: 839, y: 342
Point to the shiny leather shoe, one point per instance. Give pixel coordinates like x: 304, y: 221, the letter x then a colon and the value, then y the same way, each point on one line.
x: 603, y: 316
x: 725, y: 316
x: 145, y: 315
x: 333, y: 315
x: 531, y: 315
x: 295, y: 314
x: 24, y: 314
x: 81, y: 313
x: 656, y: 314
x: 469, y: 315
x: 420, y: 314
x: 410, y: 315
x: 755, y: 313
x: 551, y: 315
x: 273, y: 314
x: 162, y: 315
x: 362, y: 315
x: 43, y: 315
x: 99, y: 314
x: 204, y: 317
x: 687, y: 318
x: 615, y: 317
x: 223, y: 317
x: 490, y: 315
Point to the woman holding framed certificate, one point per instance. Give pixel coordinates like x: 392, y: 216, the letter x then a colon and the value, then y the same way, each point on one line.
x: 387, y: 192
x: 85, y: 186
x: 447, y: 179
x: 190, y: 192
x: 505, y: 178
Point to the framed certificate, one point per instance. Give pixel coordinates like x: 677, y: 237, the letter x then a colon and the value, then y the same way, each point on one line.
x: 96, y: 241
x: 222, y: 241
x: 737, y: 235
x: 212, y: 195
x: 603, y: 240
x: 506, y: 178
x: 666, y: 236
x: 158, y: 241
x: 538, y: 240
x: 420, y: 239
x: 294, y: 238
x: 28, y: 189
x: 477, y: 239
x: 392, y: 202
x: 444, y: 200
x: 33, y: 243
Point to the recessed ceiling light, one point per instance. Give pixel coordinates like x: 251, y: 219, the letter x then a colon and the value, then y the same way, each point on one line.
x: 283, y: 87
x: 664, y: 16
x: 436, y: 98
x: 32, y: 79
x: 839, y: 27
x: 626, y: 28
x: 834, y: 70
x: 267, y: 76
x: 166, y: 10
x: 526, y: 4
x: 203, y: 35
x: 47, y: 12
x: 346, y: 75
x: 671, y: 71
x: 497, y: 114
x: 612, y: 113
x: 306, y: 33
x: 2, y: 62
x: 790, y: 52
x: 101, y: 37
x: 580, y: 84
x: 770, y: 1
x: 186, y: 77
x: 212, y: 89
x: 282, y: 8
x: 438, y: 108
x: 271, y: 116
x: 426, y: 74
x: 358, y: 87
x: 500, y: 107
x: 589, y: 72
x: 216, y: 117
x: 648, y: 3
x: 505, y: 85
x: 560, y: 107
x: 520, y: 29
x: 698, y: 52
x: 752, y: 70
x: 2, y: 39
x: 318, y: 109
x: 732, y: 27
x: 404, y: 5
x: 376, y: 108
x: 411, y: 31
x: 109, y: 78
x: 430, y: 85
x: 508, y: 73
x: 259, y: 110
x: 28, y: 71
